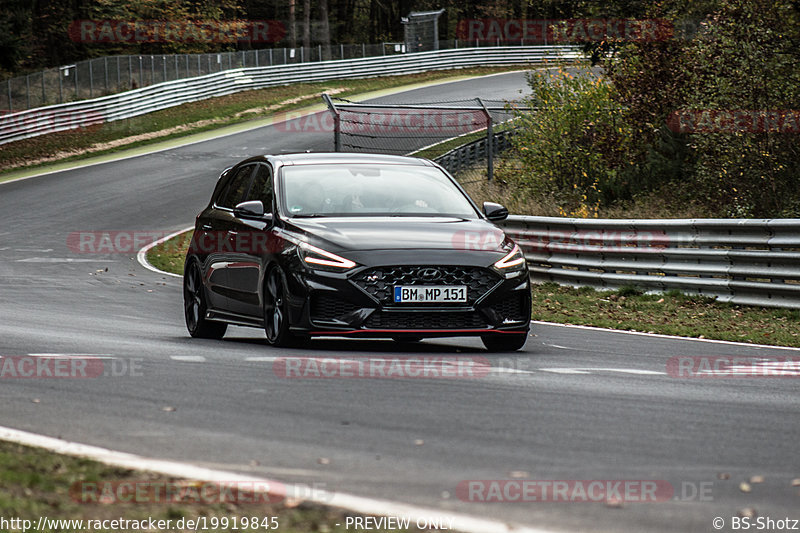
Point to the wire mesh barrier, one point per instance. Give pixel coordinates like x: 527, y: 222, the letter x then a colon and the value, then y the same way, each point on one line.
x: 429, y: 129
x: 425, y: 129
x: 113, y: 74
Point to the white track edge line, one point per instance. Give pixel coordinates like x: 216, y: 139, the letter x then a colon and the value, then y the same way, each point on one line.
x: 663, y: 336
x: 359, y: 504
x: 141, y: 255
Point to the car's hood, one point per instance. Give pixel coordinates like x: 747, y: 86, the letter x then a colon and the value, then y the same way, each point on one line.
x: 404, y: 233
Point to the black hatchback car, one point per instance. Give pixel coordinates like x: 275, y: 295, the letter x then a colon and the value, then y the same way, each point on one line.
x: 314, y: 244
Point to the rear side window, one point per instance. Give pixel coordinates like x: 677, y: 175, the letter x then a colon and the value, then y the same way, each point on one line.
x: 262, y: 187
x: 237, y: 188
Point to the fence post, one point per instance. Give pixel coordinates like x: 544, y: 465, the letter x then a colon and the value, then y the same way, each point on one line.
x: 10, y: 107
x: 91, y: 79
x: 60, y: 87
x: 337, y: 141
x: 44, y: 94
x: 105, y: 71
x: 28, y: 91
x: 489, y: 142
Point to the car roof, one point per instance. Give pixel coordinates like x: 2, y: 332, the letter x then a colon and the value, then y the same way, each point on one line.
x: 328, y: 158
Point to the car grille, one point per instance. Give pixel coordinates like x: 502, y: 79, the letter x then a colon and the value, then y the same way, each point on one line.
x: 328, y: 307
x: 425, y: 320
x: 379, y: 282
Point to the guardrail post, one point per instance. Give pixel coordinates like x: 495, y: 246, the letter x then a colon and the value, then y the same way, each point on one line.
x: 337, y: 134
x: 489, y: 141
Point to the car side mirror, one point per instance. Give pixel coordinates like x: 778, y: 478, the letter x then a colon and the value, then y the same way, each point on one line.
x: 251, y: 209
x: 495, y: 212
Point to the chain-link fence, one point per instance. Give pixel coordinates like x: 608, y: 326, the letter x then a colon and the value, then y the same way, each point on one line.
x: 457, y: 133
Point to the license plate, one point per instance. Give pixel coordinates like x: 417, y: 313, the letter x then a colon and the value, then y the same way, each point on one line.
x: 430, y: 293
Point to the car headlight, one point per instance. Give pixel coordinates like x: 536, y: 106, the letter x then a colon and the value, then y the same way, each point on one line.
x: 319, y: 259
x: 512, y: 264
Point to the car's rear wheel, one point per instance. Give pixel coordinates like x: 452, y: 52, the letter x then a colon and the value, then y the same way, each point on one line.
x: 276, y: 314
x: 504, y: 342
x: 195, y: 307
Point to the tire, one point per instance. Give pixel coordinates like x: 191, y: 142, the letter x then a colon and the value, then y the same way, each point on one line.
x: 504, y: 342
x: 195, y: 307
x: 276, y: 311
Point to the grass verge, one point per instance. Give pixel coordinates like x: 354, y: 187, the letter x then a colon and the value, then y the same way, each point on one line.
x: 671, y: 313
x: 200, y: 116
x: 38, y: 483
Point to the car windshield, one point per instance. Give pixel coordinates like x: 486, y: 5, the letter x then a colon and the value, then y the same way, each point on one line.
x: 371, y: 190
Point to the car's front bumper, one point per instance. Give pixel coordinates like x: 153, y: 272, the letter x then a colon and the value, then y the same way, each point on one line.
x: 359, y: 303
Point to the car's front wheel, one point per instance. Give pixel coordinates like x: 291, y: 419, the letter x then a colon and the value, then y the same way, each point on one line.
x: 504, y: 342
x: 276, y: 314
x: 195, y: 307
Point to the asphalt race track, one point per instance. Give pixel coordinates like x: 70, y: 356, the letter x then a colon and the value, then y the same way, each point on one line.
x: 575, y: 404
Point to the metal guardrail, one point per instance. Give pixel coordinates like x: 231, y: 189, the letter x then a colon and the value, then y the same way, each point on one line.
x: 61, y: 117
x: 106, y: 75
x: 745, y: 261
x: 470, y: 154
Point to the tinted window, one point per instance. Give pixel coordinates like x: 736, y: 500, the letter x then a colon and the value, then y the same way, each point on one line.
x: 374, y: 190
x: 262, y: 187
x: 234, y: 193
